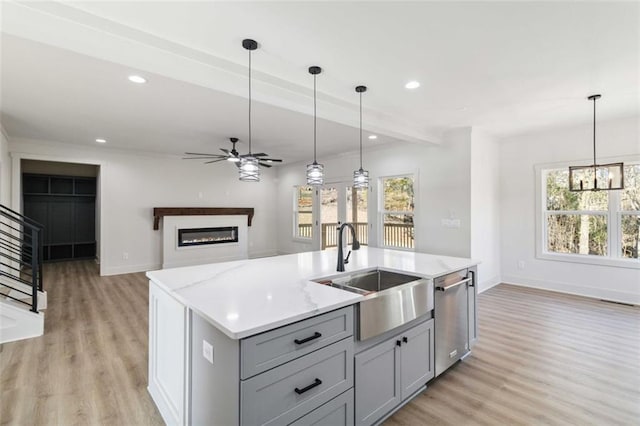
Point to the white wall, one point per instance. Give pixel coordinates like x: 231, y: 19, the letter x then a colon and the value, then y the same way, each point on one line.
x: 485, y: 208
x: 5, y: 170
x: 132, y: 184
x: 518, y: 156
x: 442, y: 172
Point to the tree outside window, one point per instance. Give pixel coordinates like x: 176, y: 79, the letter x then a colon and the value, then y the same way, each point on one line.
x: 600, y: 223
x: 398, y: 212
x: 303, y: 212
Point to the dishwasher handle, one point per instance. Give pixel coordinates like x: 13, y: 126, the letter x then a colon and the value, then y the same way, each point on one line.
x: 450, y: 286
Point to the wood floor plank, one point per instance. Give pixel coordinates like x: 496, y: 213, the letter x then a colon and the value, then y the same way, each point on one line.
x: 542, y: 358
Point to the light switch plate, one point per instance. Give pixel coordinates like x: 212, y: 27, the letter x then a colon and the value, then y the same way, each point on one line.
x: 207, y: 351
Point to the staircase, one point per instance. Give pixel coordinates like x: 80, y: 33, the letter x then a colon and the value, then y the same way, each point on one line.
x: 22, y: 297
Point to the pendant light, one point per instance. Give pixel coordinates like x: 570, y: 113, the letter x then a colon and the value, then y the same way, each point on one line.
x: 249, y: 168
x: 596, y: 177
x: 361, y: 176
x: 315, y: 171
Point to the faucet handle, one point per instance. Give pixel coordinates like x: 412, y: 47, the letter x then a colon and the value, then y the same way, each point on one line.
x: 346, y: 259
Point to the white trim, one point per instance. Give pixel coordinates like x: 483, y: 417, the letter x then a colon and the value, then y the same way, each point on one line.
x: 603, y: 292
x: 486, y: 284
x: 16, y: 188
x: 415, y: 175
x: 613, y: 216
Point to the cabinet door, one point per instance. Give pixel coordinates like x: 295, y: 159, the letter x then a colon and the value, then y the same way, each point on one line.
x: 416, y: 365
x: 473, y: 312
x: 377, y: 381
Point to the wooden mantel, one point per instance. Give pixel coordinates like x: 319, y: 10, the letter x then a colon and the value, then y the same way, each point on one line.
x: 159, y: 212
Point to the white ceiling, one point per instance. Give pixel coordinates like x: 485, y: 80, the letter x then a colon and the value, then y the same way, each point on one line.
x: 506, y: 68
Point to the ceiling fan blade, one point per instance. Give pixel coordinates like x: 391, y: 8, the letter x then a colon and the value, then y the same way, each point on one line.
x: 271, y: 160
x: 198, y: 153
x: 264, y: 164
x: 215, y: 161
x: 260, y: 154
x: 226, y: 151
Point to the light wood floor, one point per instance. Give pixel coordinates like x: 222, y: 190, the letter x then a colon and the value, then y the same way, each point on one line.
x: 542, y: 358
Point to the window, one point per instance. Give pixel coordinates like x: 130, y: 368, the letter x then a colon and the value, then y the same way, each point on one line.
x: 303, y: 212
x: 397, y: 212
x: 591, y: 225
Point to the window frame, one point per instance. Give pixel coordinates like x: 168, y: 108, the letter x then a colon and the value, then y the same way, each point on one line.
x: 295, y: 236
x: 613, y: 215
x: 382, y: 212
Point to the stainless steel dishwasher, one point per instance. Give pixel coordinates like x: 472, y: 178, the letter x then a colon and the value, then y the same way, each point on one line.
x: 451, y: 319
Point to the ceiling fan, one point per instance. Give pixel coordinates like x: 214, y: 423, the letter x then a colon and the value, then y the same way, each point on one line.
x: 232, y: 156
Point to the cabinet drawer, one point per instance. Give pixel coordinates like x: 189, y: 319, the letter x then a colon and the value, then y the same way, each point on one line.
x: 268, y: 350
x: 288, y: 392
x: 337, y: 412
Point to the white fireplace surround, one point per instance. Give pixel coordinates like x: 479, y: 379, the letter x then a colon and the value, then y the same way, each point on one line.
x: 174, y: 256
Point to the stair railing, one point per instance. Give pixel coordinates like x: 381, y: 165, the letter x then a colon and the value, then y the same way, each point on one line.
x: 21, y: 254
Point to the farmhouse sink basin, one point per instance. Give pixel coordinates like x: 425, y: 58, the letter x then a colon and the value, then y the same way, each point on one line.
x: 391, y: 299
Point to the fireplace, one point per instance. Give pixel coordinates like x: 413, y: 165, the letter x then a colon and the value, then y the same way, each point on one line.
x: 207, y: 236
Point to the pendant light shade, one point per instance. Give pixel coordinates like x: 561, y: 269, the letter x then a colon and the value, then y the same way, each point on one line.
x: 361, y: 176
x: 249, y: 168
x: 315, y: 171
x: 596, y: 177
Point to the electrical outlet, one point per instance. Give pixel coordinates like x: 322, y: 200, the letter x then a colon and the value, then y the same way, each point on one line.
x: 125, y: 255
x: 520, y: 264
x: 207, y: 351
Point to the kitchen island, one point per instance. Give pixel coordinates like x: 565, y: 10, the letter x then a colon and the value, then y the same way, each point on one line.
x: 221, y: 333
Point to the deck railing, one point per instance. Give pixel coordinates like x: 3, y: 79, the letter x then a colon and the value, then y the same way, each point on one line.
x: 395, y: 234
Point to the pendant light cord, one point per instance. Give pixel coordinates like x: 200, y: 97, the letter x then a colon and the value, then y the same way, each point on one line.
x: 314, y: 119
x: 594, y: 132
x: 249, y: 102
x: 360, y: 130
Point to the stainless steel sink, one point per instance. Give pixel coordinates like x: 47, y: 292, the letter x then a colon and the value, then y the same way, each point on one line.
x: 391, y: 299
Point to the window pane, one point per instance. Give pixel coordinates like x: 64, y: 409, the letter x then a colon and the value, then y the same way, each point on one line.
x: 304, y: 214
x: 357, y: 213
x: 630, y: 236
x: 560, y: 198
x: 630, y: 195
x: 398, y: 230
x: 577, y: 234
x: 398, y: 194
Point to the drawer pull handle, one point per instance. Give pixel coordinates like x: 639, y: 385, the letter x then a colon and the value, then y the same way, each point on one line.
x: 316, y: 335
x: 316, y: 382
x: 404, y: 339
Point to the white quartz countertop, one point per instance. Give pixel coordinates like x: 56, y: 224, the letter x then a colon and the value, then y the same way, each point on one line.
x: 246, y: 297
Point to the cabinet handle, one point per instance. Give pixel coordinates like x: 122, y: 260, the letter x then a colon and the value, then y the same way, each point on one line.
x: 398, y: 343
x: 404, y: 339
x: 316, y: 335
x: 316, y: 382
x: 472, y: 283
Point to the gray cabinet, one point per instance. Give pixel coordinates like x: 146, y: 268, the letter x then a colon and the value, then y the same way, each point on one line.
x: 337, y: 412
x: 416, y: 358
x: 288, y: 392
x: 301, y: 373
x: 392, y: 371
x: 273, y: 348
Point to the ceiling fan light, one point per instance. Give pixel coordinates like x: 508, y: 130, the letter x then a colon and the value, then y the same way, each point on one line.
x: 315, y: 174
x: 249, y: 169
x: 361, y: 179
x: 233, y: 159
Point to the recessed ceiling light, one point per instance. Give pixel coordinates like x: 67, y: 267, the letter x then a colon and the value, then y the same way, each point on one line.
x: 100, y: 140
x: 137, y: 79
x: 412, y: 85
x: 373, y: 137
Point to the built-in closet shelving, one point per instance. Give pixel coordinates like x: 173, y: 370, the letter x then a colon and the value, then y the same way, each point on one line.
x: 66, y: 206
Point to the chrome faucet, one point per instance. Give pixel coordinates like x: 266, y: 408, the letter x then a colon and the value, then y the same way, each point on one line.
x: 354, y: 246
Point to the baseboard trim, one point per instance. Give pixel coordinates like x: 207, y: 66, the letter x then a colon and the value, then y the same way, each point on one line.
x: 568, y: 288
x: 487, y: 284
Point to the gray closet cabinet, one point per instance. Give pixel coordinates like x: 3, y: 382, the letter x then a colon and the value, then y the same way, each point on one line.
x: 392, y: 371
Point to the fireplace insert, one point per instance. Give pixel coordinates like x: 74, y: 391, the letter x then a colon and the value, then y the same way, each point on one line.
x: 206, y: 236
